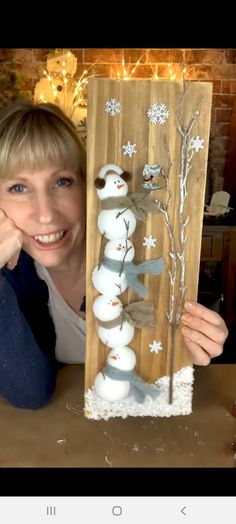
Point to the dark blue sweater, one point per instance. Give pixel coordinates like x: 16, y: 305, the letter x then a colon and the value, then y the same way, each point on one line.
x: 28, y: 367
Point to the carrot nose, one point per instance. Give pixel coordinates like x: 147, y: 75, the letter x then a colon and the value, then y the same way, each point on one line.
x: 119, y: 248
x: 114, y: 303
x: 120, y: 186
x: 114, y: 357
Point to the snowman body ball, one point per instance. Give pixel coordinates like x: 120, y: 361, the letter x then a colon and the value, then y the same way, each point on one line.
x: 108, y: 310
x: 107, y: 281
x: 122, y: 358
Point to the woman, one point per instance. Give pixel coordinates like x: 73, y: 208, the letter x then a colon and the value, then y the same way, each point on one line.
x: 42, y: 257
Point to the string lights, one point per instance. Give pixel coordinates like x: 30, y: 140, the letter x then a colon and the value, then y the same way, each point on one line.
x: 125, y: 72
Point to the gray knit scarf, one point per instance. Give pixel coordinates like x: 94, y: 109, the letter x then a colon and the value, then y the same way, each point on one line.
x: 155, y: 266
x: 139, y: 388
x: 139, y: 203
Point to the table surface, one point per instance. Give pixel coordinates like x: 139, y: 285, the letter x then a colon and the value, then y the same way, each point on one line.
x: 59, y: 435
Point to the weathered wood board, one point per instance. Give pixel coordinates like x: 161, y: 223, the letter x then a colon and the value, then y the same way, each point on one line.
x: 178, y: 142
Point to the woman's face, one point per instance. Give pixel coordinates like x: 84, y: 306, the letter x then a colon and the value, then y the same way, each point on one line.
x: 48, y: 206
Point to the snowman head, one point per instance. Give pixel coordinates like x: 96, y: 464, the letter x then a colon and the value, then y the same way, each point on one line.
x: 122, y: 358
x: 107, y: 307
x: 111, y: 181
x: 59, y: 60
x: 116, y: 249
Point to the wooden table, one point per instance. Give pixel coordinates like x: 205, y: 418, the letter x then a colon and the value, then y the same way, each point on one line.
x: 55, y: 436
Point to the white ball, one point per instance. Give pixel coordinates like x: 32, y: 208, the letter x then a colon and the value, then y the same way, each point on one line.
x: 108, y: 282
x: 113, y: 227
x: 107, y: 307
x: 111, y: 390
x: 122, y: 358
x: 116, y: 249
x: 115, y: 336
x: 114, y: 186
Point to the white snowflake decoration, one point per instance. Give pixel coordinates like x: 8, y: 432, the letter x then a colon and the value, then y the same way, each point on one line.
x: 113, y: 106
x: 158, y: 113
x: 129, y: 149
x: 196, y: 143
x: 149, y: 242
x: 155, y: 347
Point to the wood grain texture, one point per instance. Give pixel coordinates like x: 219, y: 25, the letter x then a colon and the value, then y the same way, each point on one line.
x: 106, y: 135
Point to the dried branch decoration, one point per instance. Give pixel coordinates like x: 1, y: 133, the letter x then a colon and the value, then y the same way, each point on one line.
x: 177, y: 254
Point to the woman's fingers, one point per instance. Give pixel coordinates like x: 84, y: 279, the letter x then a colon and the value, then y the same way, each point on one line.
x: 200, y: 357
x: 11, y: 264
x: 11, y: 241
x: 211, y: 331
x: 195, y: 339
x: 200, y: 311
x: 204, y: 332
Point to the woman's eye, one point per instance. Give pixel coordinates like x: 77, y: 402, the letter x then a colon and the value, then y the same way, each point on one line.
x: 17, y: 188
x: 63, y: 182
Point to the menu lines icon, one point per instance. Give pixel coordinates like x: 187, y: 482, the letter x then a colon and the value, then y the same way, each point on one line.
x: 51, y: 511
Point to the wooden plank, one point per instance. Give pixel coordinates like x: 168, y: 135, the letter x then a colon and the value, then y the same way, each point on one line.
x: 106, y: 136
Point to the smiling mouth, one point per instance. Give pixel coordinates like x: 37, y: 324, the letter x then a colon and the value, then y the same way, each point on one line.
x: 51, y: 238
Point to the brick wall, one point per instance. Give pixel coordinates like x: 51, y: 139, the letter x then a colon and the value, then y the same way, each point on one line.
x: 214, y: 65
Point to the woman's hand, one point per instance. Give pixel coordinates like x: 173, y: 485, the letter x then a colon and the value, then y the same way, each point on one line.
x: 11, y: 241
x: 204, y: 332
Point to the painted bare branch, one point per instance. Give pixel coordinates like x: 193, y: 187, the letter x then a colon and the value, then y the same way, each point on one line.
x: 185, y: 167
x: 164, y: 208
x: 179, y: 257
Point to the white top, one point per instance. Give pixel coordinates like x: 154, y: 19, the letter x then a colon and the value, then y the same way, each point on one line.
x: 70, y: 328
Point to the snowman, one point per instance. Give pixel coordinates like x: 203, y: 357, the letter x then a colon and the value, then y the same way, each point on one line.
x: 118, y: 379
x: 113, y: 330
x: 120, y: 358
x: 115, y: 222
x: 109, y: 282
x: 58, y: 86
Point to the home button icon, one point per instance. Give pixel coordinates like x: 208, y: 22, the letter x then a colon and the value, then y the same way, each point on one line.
x: 117, y: 511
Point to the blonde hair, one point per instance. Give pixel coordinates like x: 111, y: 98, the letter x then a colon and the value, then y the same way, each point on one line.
x: 33, y: 136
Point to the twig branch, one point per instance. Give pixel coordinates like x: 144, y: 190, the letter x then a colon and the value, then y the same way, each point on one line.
x: 179, y: 256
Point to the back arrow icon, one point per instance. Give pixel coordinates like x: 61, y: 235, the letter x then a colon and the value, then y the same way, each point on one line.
x: 183, y: 510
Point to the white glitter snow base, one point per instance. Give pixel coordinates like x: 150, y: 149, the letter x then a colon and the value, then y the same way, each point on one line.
x: 97, y: 408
